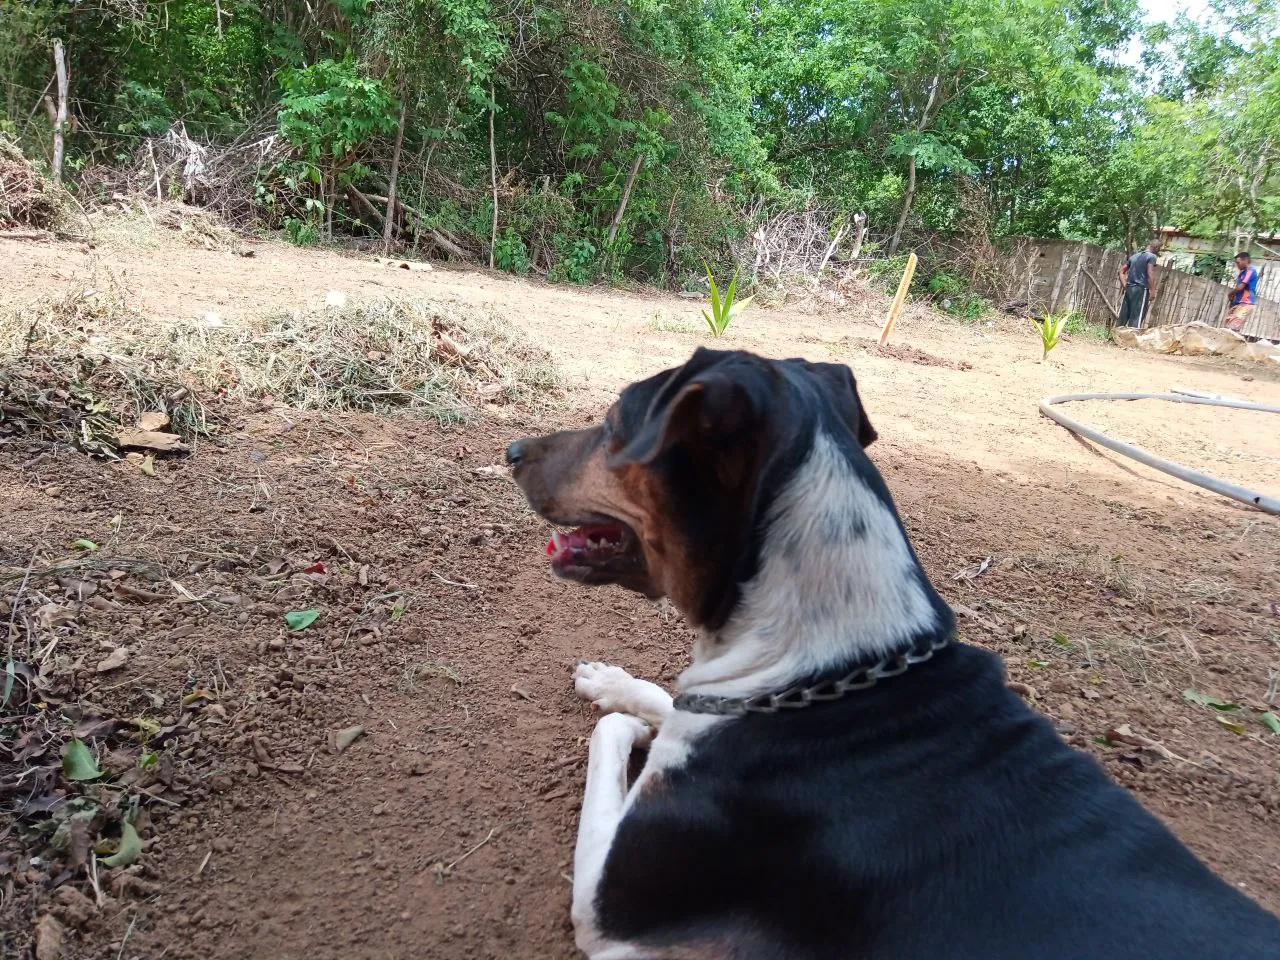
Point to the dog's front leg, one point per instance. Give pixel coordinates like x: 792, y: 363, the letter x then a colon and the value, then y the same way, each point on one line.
x: 612, y: 690
x: 611, y: 744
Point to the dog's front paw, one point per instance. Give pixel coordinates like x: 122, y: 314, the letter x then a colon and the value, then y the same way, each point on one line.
x: 610, y: 689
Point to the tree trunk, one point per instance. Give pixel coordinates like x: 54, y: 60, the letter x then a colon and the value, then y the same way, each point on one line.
x: 493, y: 177
x: 389, y: 221
x: 60, y: 124
x: 907, y: 200
x: 626, y: 195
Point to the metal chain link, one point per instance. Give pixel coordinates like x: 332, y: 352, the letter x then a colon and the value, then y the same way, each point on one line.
x: 794, y: 698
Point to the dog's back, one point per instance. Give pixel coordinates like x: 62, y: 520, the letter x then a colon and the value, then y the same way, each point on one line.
x: 937, y: 819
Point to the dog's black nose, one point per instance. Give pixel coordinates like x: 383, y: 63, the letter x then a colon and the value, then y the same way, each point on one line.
x: 515, y: 452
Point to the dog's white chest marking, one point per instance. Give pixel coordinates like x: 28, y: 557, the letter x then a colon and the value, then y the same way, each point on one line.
x: 837, y: 582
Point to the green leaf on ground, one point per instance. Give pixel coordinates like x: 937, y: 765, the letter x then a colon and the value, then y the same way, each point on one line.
x: 1195, y: 696
x: 85, y: 545
x: 1270, y: 721
x: 78, y: 762
x: 129, y: 850
x: 301, y: 619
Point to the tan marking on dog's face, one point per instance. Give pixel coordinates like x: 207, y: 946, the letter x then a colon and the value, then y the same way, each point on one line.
x: 664, y: 548
x: 568, y: 479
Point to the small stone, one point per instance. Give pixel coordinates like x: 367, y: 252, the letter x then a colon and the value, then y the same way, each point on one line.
x: 251, y: 770
x: 221, y: 845
x: 275, y: 643
x: 49, y: 937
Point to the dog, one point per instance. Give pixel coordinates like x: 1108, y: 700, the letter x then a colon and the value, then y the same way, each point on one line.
x: 839, y: 776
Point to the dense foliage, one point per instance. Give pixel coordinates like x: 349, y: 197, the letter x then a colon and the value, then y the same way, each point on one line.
x: 641, y: 137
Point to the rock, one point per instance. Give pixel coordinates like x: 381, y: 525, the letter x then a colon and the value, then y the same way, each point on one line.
x: 1201, y: 340
x: 49, y: 936
x: 1125, y: 336
x: 150, y: 440
x: 344, y: 738
x: 1160, y: 340
x: 116, y: 659
x: 1259, y: 352
x: 335, y: 298
x: 211, y: 318
x: 153, y: 421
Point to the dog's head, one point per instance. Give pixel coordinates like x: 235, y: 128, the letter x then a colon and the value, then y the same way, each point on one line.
x: 669, y: 495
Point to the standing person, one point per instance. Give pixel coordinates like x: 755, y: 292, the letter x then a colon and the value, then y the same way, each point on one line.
x: 1138, y: 278
x: 1244, y: 295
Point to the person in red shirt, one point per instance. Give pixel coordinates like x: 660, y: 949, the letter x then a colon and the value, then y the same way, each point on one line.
x: 1243, y: 295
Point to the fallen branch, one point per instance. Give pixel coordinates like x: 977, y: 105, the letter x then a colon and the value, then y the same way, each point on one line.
x: 1115, y: 313
x: 442, y: 238
x: 366, y: 204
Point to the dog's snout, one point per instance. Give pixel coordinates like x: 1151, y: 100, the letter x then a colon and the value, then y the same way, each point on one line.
x: 516, y: 452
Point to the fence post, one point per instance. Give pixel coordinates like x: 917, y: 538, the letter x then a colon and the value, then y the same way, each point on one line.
x: 60, y: 123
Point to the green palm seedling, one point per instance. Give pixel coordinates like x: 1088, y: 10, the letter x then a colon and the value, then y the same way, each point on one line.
x: 1051, y: 329
x: 722, y: 311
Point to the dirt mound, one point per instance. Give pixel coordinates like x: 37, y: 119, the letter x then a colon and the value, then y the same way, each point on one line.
x: 897, y: 351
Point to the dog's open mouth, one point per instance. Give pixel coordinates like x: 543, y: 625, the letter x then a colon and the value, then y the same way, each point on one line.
x: 598, y: 553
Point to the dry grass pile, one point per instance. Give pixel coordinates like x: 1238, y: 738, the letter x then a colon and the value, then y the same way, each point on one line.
x: 27, y: 199
x: 74, y: 370
x: 200, y: 228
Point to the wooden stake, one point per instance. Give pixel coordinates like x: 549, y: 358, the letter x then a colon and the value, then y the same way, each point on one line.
x: 898, y: 299
x: 493, y: 176
x: 60, y: 124
x: 626, y: 195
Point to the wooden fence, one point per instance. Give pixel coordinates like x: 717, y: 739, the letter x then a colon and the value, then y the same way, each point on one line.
x: 1081, y: 276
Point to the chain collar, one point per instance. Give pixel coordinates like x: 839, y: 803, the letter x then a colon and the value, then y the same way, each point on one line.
x: 795, y: 697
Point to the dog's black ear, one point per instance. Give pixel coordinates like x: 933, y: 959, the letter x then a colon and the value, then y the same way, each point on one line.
x: 843, y: 391
x: 710, y: 409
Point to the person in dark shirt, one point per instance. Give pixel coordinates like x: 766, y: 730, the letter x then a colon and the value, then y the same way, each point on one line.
x: 1138, y: 278
x: 1243, y: 295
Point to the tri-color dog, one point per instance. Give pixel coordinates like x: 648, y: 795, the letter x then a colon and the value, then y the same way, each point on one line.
x: 839, y: 777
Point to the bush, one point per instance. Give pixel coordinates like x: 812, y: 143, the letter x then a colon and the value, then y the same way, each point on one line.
x: 510, y: 253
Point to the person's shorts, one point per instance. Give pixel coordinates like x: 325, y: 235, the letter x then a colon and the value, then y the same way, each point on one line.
x: 1237, y: 316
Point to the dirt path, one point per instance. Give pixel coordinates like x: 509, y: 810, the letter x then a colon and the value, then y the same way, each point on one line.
x: 445, y: 830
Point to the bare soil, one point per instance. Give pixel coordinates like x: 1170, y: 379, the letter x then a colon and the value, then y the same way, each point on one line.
x: 445, y: 829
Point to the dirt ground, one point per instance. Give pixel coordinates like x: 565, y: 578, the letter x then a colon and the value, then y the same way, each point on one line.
x: 445, y: 829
